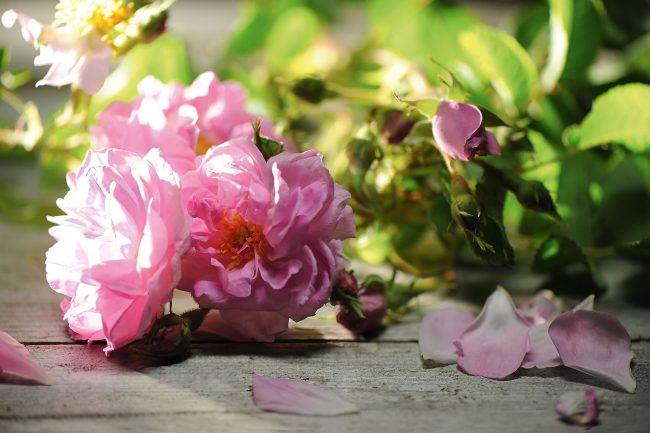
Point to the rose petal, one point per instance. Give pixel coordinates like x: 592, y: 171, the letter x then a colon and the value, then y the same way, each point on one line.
x: 579, y: 407
x: 297, y: 397
x: 542, y: 307
x: 542, y: 353
x: 16, y: 363
x: 595, y: 343
x: 495, y: 344
x: 438, y: 331
x: 241, y: 325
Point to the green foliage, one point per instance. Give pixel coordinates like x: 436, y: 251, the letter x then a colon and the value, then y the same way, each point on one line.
x: 575, y: 39
x: 499, y: 63
x: 619, y: 116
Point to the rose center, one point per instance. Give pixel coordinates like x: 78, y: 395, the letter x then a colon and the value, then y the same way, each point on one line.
x: 203, y: 145
x: 240, y: 240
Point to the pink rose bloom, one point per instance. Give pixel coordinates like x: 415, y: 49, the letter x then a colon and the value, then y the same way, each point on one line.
x: 459, y: 131
x: 76, y: 58
x: 266, y: 235
x: 118, y: 249
x: 182, y: 121
x: 153, y: 120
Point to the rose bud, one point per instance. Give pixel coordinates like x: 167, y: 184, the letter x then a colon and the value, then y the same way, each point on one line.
x: 397, y: 127
x: 366, y: 316
x: 312, y: 90
x: 459, y: 132
x: 347, y: 283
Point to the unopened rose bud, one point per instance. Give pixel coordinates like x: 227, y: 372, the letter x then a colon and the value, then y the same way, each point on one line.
x: 347, y: 283
x: 397, y: 127
x: 313, y: 90
x: 459, y: 132
x: 369, y: 313
x: 465, y: 209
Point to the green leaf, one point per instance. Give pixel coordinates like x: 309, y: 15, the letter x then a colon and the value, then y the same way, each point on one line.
x: 557, y: 252
x: 291, y: 34
x: 426, y: 30
x: 580, y: 176
x: 624, y: 214
x: 496, y: 59
x: 622, y: 116
x: 252, y: 32
x: 575, y: 39
x: 165, y: 58
x: 638, y: 56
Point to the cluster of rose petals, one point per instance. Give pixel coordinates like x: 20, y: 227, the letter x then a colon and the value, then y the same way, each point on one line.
x: 156, y: 119
x: 83, y: 60
x: 119, y: 243
x: 537, y: 334
x: 182, y: 121
x: 266, y: 235
x: 297, y: 397
x: 579, y: 407
x: 459, y: 132
x: 16, y: 364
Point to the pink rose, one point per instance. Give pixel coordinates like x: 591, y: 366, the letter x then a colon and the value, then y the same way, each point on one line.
x: 117, y: 255
x: 266, y: 235
x: 151, y: 121
x: 182, y: 121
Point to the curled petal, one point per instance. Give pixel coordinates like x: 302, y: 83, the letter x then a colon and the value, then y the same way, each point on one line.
x: 438, y: 331
x: 494, y: 345
x: 16, y: 363
x: 595, y: 343
x: 297, y: 397
x: 542, y: 353
x: 579, y: 407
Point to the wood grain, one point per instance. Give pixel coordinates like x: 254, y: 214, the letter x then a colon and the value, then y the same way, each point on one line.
x: 210, y: 390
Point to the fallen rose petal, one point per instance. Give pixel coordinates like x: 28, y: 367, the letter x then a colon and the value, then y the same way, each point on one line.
x: 579, y: 407
x: 439, y: 329
x: 595, y: 343
x: 541, y: 308
x: 297, y: 397
x: 495, y: 344
x: 16, y: 365
x: 542, y: 353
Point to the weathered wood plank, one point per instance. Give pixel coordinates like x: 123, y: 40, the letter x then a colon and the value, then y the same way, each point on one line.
x: 29, y: 310
x: 210, y: 391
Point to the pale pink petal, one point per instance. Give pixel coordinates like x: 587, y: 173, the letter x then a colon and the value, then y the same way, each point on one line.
x: 542, y: 353
x: 438, y: 331
x: 496, y: 342
x: 297, y: 397
x: 541, y: 308
x: 16, y: 365
x: 595, y: 343
x: 579, y: 407
x: 241, y: 325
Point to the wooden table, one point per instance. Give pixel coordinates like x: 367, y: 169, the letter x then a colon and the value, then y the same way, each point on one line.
x: 210, y: 391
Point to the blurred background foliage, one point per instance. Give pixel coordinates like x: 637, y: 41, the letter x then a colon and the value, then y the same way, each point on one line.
x: 564, y: 84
